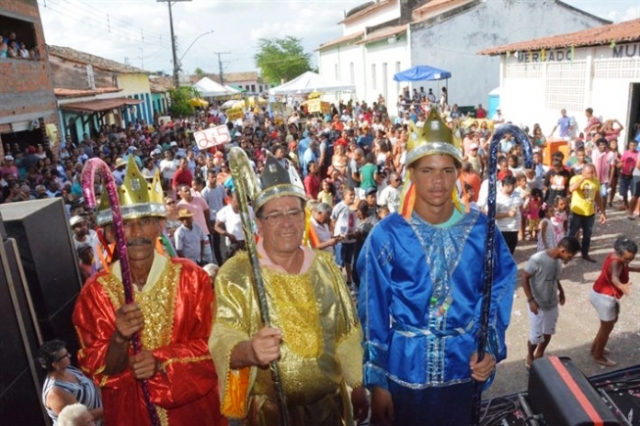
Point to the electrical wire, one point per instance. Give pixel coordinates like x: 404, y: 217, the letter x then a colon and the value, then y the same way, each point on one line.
x: 114, y: 19
x: 89, y: 20
x: 490, y: 417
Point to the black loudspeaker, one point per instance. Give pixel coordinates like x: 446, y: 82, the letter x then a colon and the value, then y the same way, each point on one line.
x: 20, y: 378
x: 563, y: 395
x: 49, y: 261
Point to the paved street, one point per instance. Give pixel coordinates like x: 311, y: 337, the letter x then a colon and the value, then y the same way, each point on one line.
x: 578, y: 322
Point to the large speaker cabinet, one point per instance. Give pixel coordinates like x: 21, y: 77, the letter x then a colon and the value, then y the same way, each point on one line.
x: 50, y: 265
x: 20, y: 377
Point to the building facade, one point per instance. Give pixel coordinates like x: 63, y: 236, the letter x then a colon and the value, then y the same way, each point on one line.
x: 28, y: 112
x: 586, y: 69
x: 383, y: 37
x: 92, y: 91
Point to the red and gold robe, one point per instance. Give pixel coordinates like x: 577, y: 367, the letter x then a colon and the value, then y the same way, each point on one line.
x: 177, y: 303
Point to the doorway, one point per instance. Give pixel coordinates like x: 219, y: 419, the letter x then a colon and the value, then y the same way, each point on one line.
x: 633, y: 120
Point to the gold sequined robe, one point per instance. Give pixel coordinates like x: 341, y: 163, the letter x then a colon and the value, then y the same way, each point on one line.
x: 321, y: 350
x: 177, y: 304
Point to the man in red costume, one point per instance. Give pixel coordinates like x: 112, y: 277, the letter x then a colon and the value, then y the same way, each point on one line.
x: 172, y: 312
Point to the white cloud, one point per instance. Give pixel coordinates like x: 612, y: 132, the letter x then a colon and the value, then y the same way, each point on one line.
x: 115, y: 28
x: 631, y: 13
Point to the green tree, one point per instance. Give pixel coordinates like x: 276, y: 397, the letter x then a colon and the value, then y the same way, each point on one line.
x: 199, y: 73
x: 180, y: 105
x: 281, y: 59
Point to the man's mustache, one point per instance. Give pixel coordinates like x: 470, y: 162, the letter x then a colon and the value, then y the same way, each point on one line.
x: 133, y: 242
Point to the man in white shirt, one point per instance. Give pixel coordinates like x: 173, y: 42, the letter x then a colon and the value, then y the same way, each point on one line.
x: 189, y: 238
x: 83, y: 235
x: 343, y: 220
x: 508, y: 203
x: 168, y: 167
x: 498, y: 119
x: 390, y: 195
x: 229, y: 225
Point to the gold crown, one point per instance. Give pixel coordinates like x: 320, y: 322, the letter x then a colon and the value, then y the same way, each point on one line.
x: 434, y: 137
x: 138, y: 198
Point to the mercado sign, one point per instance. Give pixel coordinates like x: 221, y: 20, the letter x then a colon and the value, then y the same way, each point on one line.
x: 613, y: 51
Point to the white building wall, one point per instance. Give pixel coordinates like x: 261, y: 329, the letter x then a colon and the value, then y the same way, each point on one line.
x: 384, y: 14
x: 451, y: 41
x: 345, y: 64
x: 597, y: 77
x: 355, y: 64
x: 386, y: 59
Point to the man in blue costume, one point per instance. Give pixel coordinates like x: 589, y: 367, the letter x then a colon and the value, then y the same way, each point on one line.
x: 422, y: 290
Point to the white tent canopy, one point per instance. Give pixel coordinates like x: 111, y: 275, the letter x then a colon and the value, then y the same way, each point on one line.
x: 311, y: 82
x: 210, y: 89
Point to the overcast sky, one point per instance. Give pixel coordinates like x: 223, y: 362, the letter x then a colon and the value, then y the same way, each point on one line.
x: 138, y: 30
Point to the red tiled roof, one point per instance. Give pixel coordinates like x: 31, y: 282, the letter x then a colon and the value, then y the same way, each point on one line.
x: 435, y: 8
x: 628, y: 31
x: 383, y: 33
x: 340, y: 40
x: 74, y: 93
x: 157, y: 88
x: 364, y: 11
x: 100, y: 104
x: 96, y: 61
x: 431, y: 5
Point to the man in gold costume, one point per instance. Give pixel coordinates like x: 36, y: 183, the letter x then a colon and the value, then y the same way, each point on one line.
x: 315, y: 334
x: 172, y: 312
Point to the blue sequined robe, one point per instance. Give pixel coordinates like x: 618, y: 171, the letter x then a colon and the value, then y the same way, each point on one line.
x: 420, y: 300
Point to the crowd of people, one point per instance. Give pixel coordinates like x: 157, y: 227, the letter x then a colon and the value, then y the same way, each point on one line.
x: 356, y: 164
x: 12, y: 48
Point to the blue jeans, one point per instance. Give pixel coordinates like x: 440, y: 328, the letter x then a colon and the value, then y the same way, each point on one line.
x: 344, y: 254
x: 625, y: 185
x: 585, y: 223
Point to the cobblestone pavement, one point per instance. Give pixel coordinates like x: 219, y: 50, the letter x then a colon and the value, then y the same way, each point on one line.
x: 578, y: 321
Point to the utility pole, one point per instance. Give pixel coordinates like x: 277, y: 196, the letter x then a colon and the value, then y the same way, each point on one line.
x: 176, y: 65
x: 221, y: 73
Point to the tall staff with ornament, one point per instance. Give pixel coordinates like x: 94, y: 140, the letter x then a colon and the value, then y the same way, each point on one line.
x: 143, y: 322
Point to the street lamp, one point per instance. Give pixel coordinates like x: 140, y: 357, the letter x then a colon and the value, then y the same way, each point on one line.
x: 176, y: 68
x: 192, y: 43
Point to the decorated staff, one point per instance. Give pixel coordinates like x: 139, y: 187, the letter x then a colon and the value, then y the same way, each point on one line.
x: 246, y: 185
x: 91, y: 167
x: 422, y: 293
x: 489, y: 254
x: 143, y: 322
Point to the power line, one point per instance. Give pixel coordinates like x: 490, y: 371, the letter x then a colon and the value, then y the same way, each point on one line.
x: 93, y: 21
x: 114, y: 19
